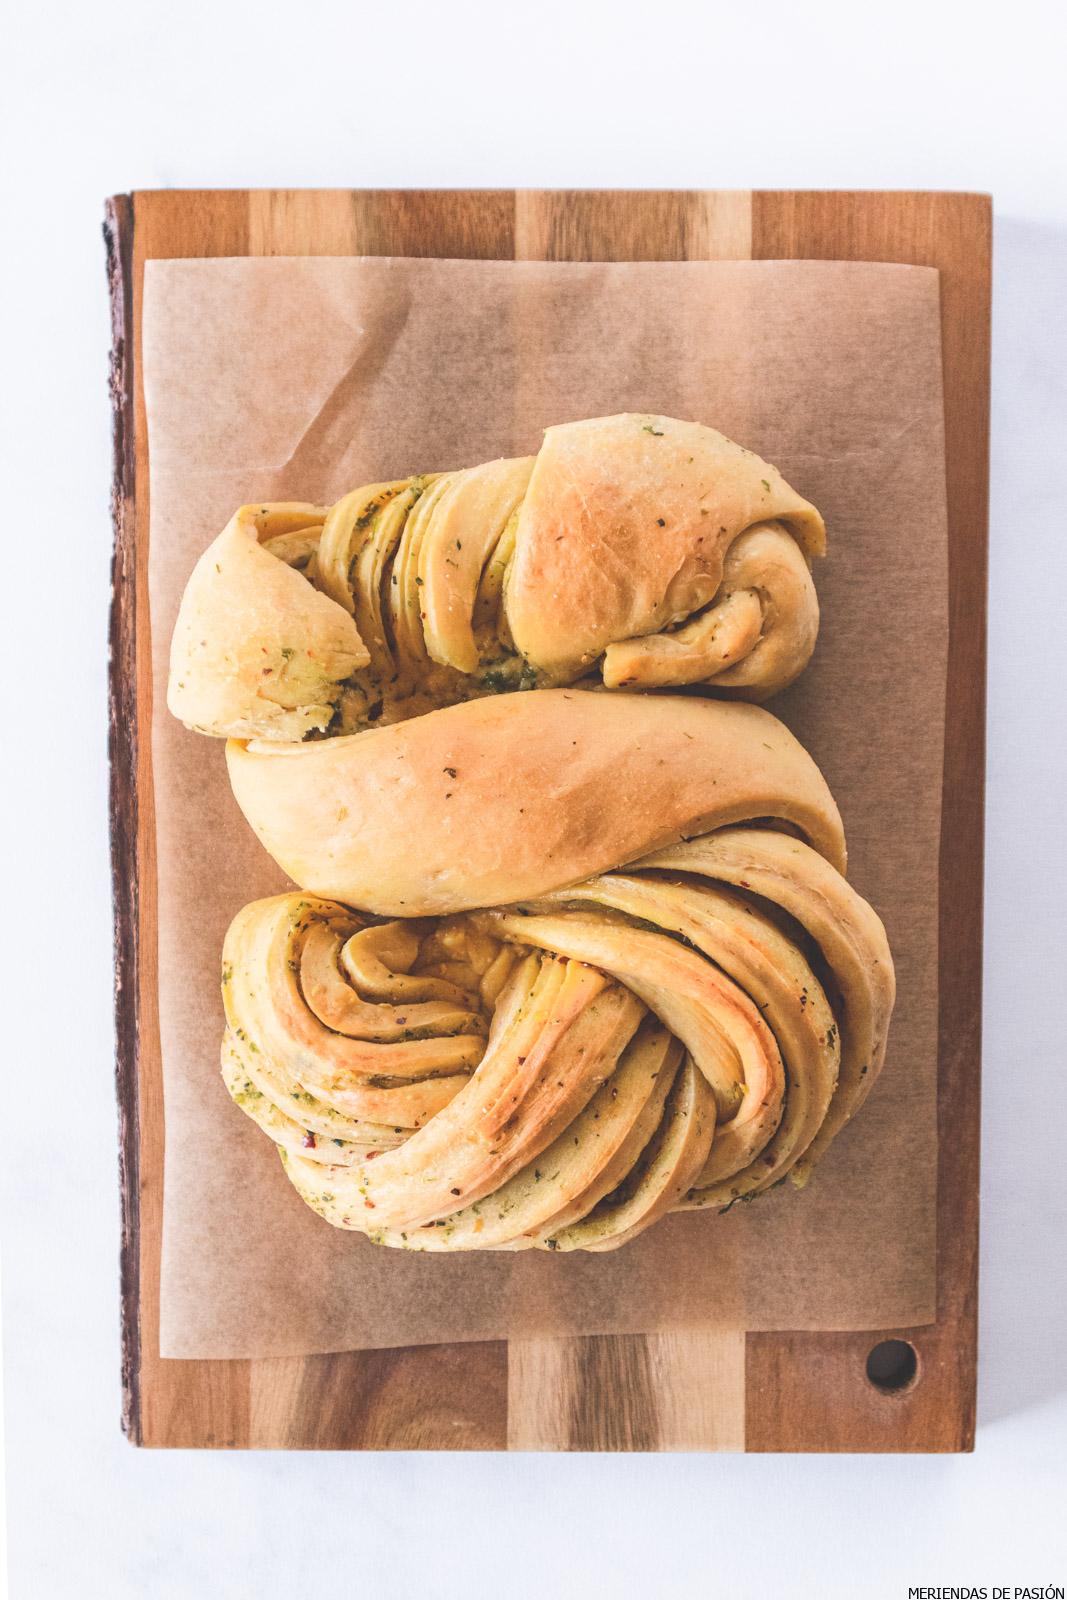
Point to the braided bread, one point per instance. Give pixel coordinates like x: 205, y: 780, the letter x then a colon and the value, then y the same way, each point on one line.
x: 561, y: 1073
x: 656, y: 550
x: 561, y: 961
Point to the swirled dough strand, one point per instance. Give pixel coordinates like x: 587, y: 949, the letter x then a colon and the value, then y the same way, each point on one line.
x: 562, y: 1073
x: 640, y: 549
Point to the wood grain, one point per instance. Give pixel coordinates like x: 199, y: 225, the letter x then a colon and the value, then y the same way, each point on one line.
x: 659, y: 1391
x: 796, y: 1382
x: 773, y: 1391
x: 632, y: 225
x: 435, y: 1397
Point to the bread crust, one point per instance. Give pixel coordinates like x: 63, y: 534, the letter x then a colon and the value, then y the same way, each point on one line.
x: 546, y: 570
x: 500, y: 800
x: 257, y: 650
x: 625, y: 527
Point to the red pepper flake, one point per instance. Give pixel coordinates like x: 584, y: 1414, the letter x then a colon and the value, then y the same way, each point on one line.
x: 372, y: 1153
x: 743, y: 882
x: 308, y: 1141
x: 369, y: 1204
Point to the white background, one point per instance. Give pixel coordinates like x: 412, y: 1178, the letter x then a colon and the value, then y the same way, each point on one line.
x: 117, y: 96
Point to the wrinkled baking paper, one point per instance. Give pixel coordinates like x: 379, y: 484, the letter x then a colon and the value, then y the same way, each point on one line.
x: 298, y: 379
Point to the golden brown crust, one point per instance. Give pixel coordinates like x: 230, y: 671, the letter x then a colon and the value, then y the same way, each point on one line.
x: 654, y: 550
x: 256, y: 649
x: 625, y: 528
x: 560, y: 1074
x: 504, y: 799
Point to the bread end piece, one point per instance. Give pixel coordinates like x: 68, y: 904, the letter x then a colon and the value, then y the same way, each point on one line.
x: 257, y: 652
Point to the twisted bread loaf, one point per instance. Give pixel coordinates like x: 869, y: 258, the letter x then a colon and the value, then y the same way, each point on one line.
x: 560, y: 1074
x: 657, y: 549
x: 473, y: 1029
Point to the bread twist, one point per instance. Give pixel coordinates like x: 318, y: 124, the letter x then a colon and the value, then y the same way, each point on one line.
x: 560, y: 1074
x: 472, y: 1028
x: 655, y: 551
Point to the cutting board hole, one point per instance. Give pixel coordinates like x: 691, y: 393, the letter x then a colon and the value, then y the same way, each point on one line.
x: 893, y: 1366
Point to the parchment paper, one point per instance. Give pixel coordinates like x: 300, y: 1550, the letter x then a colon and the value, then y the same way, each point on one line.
x: 299, y: 379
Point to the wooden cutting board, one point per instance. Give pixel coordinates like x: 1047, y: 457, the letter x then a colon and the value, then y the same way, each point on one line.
x: 789, y: 1391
